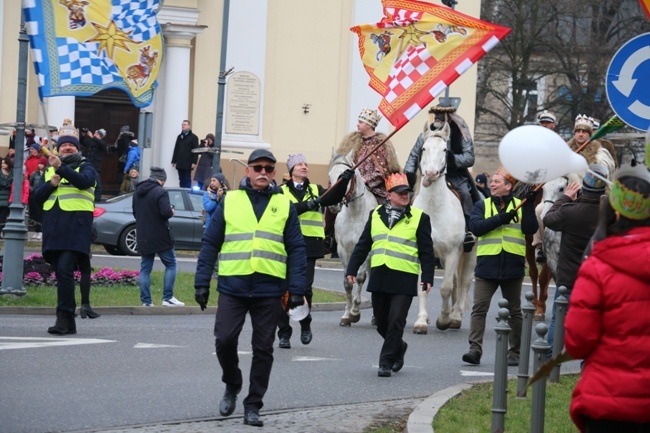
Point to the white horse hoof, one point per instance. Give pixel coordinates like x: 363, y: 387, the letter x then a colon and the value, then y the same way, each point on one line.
x: 442, y: 326
x: 455, y: 324
x: 420, y: 330
x: 355, y: 318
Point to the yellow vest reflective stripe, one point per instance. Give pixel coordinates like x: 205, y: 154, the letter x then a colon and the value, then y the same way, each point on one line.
x: 396, y: 248
x: 69, y: 196
x: 311, y: 222
x: 254, y: 246
x: 508, y: 237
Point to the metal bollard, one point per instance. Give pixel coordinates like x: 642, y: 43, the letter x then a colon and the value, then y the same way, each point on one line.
x: 500, y: 387
x: 561, y: 305
x: 540, y: 347
x: 528, y: 311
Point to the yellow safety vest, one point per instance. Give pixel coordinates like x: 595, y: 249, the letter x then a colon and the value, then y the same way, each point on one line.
x: 311, y: 222
x: 69, y: 196
x: 254, y: 246
x: 508, y: 237
x: 396, y: 248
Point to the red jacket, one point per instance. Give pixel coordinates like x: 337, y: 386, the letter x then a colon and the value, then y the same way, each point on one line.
x: 608, y: 325
x: 25, y: 198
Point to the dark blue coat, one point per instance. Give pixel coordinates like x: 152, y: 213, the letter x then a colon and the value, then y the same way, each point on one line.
x: 256, y: 284
x: 503, y: 266
x: 66, y: 230
x: 152, y: 211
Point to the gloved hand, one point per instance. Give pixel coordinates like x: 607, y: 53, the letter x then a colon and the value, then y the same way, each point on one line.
x: 506, y: 217
x: 295, y: 301
x: 347, y: 174
x: 201, y: 295
x: 313, y: 204
x: 530, y: 197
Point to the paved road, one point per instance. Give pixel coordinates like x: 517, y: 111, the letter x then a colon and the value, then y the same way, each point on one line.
x: 146, y: 370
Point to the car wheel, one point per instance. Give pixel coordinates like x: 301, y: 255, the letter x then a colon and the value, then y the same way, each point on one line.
x: 113, y: 250
x: 128, y: 243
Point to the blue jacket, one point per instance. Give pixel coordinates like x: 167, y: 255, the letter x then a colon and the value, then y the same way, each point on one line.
x: 503, y: 266
x: 210, y: 203
x: 132, y: 159
x: 254, y: 285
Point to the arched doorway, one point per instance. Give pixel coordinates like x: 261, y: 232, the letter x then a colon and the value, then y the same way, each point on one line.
x: 109, y: 109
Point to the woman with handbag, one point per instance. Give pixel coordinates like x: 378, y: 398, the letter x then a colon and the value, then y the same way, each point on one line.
x: 132, y: 161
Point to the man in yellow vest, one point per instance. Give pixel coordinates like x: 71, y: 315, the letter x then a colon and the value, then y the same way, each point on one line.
x: 308, y: 199
x: 256, y: 233
x: 67, y: 196
x: 501, y: 262
x: 398, y: 238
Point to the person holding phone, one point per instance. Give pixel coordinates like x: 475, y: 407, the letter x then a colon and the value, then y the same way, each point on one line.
x: 398, y: 237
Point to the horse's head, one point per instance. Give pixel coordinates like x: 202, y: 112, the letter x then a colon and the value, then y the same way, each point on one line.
x: 338, y: 164
x: 433, y: 160
x: 553, y: 189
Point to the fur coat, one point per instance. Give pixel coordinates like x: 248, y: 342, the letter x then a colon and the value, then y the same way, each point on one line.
x: 353, y: 141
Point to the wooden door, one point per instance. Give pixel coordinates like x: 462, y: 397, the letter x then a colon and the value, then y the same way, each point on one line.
x: 109, y: 109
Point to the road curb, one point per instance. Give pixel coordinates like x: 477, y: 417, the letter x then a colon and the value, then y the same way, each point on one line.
x: 421, y: 419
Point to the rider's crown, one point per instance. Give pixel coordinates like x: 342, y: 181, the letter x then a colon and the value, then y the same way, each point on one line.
x: 371, y: 117
x: 628, y: 202
x: 397, y: 182
x: 583, y: 123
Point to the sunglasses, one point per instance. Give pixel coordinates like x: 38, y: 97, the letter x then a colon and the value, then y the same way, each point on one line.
x: 266, y: 168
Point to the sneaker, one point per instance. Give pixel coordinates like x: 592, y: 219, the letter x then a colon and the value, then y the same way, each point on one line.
x: 147, y: 305
x: 173, y: 302
x: 39, y: 236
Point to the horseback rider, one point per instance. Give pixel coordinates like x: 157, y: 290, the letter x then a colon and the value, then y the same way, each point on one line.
x: 459, y: 160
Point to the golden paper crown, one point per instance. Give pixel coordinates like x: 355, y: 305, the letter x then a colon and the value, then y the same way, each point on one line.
x: 583, y: 122
x: 371, y: 117
x: 397, y: 180
x: 503, y: 172
x: 629, y: 203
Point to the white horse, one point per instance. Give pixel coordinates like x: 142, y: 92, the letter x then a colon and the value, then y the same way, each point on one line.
x: 448, y: 232
x: 350, y: 221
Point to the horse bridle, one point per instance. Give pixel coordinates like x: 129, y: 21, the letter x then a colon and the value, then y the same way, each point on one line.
x: 347, y: 198
x: 553, y: 201
x: 443, y: 170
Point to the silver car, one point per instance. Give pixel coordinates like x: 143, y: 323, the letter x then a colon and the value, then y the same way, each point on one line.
x: 114, y: 225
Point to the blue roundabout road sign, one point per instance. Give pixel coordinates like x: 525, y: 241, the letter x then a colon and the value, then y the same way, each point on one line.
x: 628, y: 82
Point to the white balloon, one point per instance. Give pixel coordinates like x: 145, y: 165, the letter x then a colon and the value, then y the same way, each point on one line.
x: 534, y: 154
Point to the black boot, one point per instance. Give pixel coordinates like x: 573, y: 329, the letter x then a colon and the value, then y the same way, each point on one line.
x: 87, y: 311
x: 64, y: 325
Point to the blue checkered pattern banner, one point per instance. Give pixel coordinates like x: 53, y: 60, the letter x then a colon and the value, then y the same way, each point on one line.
x: 80, y: 47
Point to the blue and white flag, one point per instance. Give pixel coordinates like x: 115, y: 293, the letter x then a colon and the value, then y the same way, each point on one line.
x: 81, y: 47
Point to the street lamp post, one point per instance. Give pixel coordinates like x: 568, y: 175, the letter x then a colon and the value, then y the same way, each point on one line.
x: 15, y: 232
x: 216, y: 161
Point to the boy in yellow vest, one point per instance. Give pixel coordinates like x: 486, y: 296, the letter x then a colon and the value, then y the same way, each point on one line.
x: 398, y: 237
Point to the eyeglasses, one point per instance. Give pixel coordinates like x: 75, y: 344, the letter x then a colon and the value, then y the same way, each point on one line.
x: 266, y: 168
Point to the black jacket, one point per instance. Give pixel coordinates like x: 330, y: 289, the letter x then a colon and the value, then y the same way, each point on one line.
x: 503, y: 266
x: 183, y: 156
x: 152, y: 211
x: 256, y: 284
x: 384, y: 279
x: 94, y: 150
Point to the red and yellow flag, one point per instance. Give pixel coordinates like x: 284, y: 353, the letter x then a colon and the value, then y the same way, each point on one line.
x: 417, y: 50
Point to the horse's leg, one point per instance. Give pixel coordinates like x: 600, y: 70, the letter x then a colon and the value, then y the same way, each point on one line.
x: 465, y: 275
x: 345, y: 319
x: 532, y: 269
x: 421, y: 325
x: 544, y: 281
x: 355, y: 312
x: 446, y: 288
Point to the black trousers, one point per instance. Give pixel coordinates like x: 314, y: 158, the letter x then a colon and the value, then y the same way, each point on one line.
x: 390, y: 316
x: 230, y: 318
x: 607, y: 426
x: 64, y: 264
x: 184, y: 177
x: 284, y: 328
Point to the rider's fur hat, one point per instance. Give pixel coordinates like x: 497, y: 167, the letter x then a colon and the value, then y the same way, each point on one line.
x: 370, y: 117
x: 584, y: 123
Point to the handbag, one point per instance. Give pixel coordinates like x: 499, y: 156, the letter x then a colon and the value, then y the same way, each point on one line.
x: 123, y: 158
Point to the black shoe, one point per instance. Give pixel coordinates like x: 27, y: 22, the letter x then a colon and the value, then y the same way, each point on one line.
x: 469, y: 242
x: 253, y: 418
x: 472, y: 357
x: 399, y: 362
x: 64, y: 325
x: 87, y: 311
x: 285, y: 343
x: 229, y: 401
x: 305, y: 337
x: 383, y: 372
x: 513, y: 360
x: 540, y: 257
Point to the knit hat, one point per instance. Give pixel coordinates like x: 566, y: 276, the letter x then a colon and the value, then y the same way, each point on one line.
x: 43, y: 160
x: 101, y: 132
x: 158, y: 173
x: 68, y: 134
x: 592, y: 183
x: 125, y: 128
x: 36, y: 147
x: 295, y: 160
x: 546, y: 116
x: 370, y: 117
x: 481, y: 178
x: 584, y: 123
x: 220, y: 177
